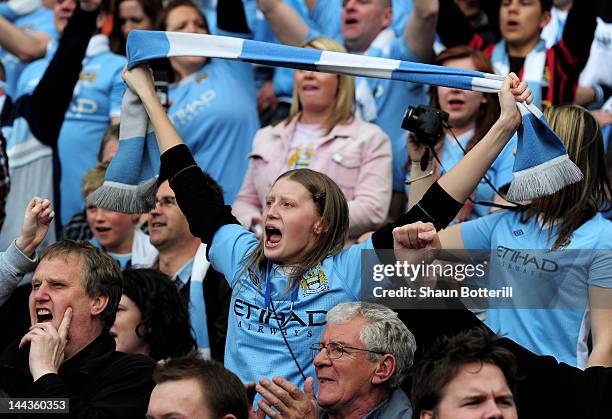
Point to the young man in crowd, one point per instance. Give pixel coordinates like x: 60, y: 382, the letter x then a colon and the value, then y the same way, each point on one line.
x: 465, y: 376
x: 191, y: 387
x: 547, y: 388
x: 552, y: 73
x: 183, y: 258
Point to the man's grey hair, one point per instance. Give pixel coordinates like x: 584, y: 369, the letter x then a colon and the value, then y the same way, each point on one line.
x: 384, y: 332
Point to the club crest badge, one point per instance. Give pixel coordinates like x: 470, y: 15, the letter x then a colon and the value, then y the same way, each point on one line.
x: 314, y: 281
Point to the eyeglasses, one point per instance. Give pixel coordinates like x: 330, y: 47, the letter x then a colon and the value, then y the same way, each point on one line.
x: 335, y: 350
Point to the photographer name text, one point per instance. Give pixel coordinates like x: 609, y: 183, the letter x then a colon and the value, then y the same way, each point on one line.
x: 429, y: 292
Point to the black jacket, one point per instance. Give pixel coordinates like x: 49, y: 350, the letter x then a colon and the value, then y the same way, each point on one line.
x: 548, y: 388
x: 98, y: 381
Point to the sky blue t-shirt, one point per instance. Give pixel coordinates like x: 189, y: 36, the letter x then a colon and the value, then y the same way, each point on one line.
x: 40, y: 20
x: 548, y: 279
x: 500, y: 172
x: 214, y: 111
x: 255, y: 347
x: 97, y: 98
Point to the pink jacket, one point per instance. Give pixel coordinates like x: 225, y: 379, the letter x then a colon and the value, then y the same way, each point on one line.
x: 356, y: 156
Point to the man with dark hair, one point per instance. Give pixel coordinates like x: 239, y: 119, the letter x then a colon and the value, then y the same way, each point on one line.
x: 552, y: 73
x: 547, y: 388
x: 183, y: 258
x: 68, y: 352
x: 192, y: 387
x: 465, y: 376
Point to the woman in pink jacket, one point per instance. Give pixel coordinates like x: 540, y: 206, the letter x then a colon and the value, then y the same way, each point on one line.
x: 322, y: 133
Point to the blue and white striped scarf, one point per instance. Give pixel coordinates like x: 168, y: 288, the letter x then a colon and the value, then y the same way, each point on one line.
x: 542, y: 165
x: 533, y: 68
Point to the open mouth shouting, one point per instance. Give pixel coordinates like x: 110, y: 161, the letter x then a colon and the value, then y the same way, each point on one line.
x: 350, y: 21
x: 43, y: 315
x: 272, y: 237
x: 310, y: 88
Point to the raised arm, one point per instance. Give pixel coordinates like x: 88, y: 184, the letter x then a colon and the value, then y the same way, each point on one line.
x: 287, y: 24
x: 62, y: 74
x: 26, y: 47
x: 197, y: 196
x: 420, y: 31
x: 588, y: 390
x: 462, y: 179
x: 444, y: 199
x: 231, y: 17
x: 20, y: 257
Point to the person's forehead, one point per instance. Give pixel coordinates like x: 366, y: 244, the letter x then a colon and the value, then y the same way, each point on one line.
x: 181, y: 396
x: 289, y: 188
x: 68, y: 263
x: 476, y: 378
x: 164, y: 190
x: 347, y: 332
x: 380, y: 3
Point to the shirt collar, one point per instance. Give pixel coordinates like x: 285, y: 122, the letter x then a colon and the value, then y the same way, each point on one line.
x: 97, y: 45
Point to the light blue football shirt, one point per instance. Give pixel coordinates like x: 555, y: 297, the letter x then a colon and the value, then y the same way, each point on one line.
x: 96, y: 99
x: 255, y: 347
x: 558, y: 279
x: 214, y: 111
x: 40, y: 20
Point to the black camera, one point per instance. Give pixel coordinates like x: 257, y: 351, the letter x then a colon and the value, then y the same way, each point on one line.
x: 426, y: 123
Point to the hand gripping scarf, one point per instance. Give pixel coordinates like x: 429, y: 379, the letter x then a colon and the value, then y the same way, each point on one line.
x: 541, y: 166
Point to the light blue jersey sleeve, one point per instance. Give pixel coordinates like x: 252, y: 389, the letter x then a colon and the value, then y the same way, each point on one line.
x: 401, y: 11
x: 116, y: 95
x: 477, y: 233
x: 347, y: 264
x: 600, y: 271
x: 230, y: 246
x: 30, y: 76
x: 326, y: 16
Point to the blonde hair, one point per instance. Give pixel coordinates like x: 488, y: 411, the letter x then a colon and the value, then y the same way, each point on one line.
x: 344, y: 102
x: 576, y: 203
x: 94, y: 178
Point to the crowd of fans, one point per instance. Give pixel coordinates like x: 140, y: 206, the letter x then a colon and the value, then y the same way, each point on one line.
x: 240, y: 294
